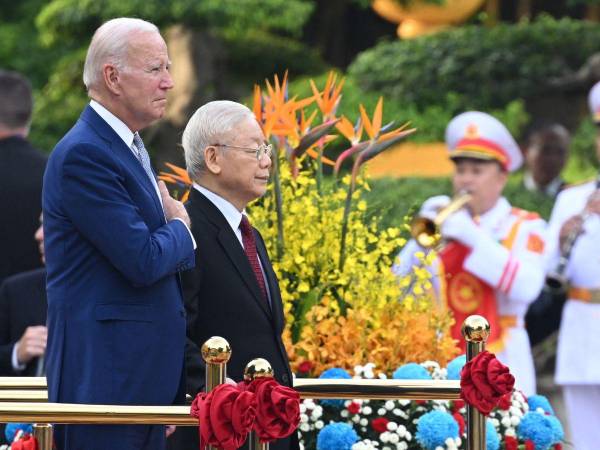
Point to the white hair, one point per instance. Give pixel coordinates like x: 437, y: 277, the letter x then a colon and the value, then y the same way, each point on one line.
x: 208, y: 126
x: 110, y: 44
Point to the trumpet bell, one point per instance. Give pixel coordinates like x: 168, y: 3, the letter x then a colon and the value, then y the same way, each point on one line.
x: 425, y: 232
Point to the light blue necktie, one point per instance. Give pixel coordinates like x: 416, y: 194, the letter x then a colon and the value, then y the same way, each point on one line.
x: 144, y: 158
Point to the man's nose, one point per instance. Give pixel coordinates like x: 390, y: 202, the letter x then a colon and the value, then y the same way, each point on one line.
x: 167, y: 81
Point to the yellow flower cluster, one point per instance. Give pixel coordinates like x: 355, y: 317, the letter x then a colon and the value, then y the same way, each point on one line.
x: 356, y: 315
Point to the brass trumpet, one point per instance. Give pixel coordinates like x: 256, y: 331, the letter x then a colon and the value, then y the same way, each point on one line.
x: 427, y: 231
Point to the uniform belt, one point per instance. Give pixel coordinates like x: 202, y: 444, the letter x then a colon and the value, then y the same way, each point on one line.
x: 584, y: 295
x: 509, y: 321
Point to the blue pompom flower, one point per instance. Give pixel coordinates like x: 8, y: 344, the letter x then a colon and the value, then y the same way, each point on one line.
x: 411, y: 371
x: 492, y: 438
x: 539, y: 401
x: 335, y: 373
x: 12, y: 428
x: 336, y: 436
x: 433, y: 428
x: 455, y: 366
x: 539, y: 429
x: 558, y: 433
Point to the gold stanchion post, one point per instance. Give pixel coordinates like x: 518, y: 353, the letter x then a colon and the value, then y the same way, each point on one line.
x: 257, y: 368
x: 42, y: 432
x: 475, y: 330
x: 216, y: 352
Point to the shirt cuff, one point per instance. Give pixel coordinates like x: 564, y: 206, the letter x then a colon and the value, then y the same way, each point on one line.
x: 14, y: 361
x: 189, y: 231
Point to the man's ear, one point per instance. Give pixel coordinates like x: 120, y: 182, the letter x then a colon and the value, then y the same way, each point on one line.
x: 111, y: 77
x: 212, y: 160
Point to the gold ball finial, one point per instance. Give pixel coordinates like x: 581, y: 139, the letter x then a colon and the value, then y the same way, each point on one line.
x: 475, y: 329
x: 258, y: 368
x: 216, y: 350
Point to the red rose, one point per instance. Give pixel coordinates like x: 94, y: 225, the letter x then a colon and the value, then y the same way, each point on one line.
x: 558, y: 447
x: 226, y: 416
x: 278, y: 413
x: 511, y: 443
x: 505, y: 401
x: 27, y: 442
x: 305, y: 367
x: 484, y: 380
x: 379, y: 424
x: 421, y: 402
x: 529, y: 445
x: 353, y: 408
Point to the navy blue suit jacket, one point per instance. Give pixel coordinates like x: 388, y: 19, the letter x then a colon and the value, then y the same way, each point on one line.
x: 116, y: 319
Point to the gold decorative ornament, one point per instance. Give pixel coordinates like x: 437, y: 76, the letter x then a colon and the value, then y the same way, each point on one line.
x: 258, y: 368
x: 475, y: 329
x: 422, y: 17
x: 216, y: 350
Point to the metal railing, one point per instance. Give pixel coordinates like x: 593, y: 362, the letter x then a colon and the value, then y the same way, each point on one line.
x: 24, y: 399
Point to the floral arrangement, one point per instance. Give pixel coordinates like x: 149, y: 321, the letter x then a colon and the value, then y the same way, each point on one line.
x: 19, y: 437
x: 517, y: 423
x: 341, y: 299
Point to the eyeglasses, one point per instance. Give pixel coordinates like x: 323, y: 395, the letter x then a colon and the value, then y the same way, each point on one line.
x: 262, y: 150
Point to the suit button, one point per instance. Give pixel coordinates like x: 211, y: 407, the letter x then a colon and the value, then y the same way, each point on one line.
x: 285, y: 378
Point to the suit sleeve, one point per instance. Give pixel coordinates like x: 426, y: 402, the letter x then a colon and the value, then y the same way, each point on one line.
x: 518, y: 273
x: 195, y: 367
x: 98, y: 203
x: 6, y: 346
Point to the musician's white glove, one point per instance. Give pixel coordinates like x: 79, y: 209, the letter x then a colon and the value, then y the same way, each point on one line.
x: 432, y: 206
x: 461, y: 227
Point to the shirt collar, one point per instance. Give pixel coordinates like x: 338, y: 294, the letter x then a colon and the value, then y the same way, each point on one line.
x: 551, y: 188
x: 114, y: 122
x: 231, y: 213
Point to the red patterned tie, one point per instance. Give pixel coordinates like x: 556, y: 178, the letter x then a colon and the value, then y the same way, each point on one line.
x: 250, y: 250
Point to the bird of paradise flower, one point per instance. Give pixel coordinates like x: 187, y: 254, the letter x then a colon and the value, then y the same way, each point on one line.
x: 289, y: 126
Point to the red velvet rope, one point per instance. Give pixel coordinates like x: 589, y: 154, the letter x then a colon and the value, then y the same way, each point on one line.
x: 483, y: 382
x: 228, y: 413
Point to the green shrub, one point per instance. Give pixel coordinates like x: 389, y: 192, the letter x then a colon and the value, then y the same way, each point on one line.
x: 430, y: 121
x: 486, y: 67
x: 392, y: 199
x: 583, y: 155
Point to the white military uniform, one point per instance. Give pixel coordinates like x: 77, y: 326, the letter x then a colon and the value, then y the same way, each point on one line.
x: 505, y: 256
x: 578, y: 355
x: 516, y: 275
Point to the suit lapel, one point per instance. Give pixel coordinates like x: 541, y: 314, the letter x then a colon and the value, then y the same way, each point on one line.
x: 231, y: 246
x: 276, y: 305
x: 124, y: 153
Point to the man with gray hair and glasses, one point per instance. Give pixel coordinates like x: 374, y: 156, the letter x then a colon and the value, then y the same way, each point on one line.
x: 115, y: 244
x: 234, y: 293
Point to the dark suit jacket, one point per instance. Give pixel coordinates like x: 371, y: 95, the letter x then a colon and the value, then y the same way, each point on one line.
x: 116, y: 320
x: 22, y: 304
x: 222, y: 298
x: 21, y: 173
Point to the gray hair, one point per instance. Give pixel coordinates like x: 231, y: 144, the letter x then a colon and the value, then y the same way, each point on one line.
x: 208, y: 126
x: 110, y: 44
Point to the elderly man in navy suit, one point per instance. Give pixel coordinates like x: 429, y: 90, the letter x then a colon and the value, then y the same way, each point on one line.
x: 115, y: 244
